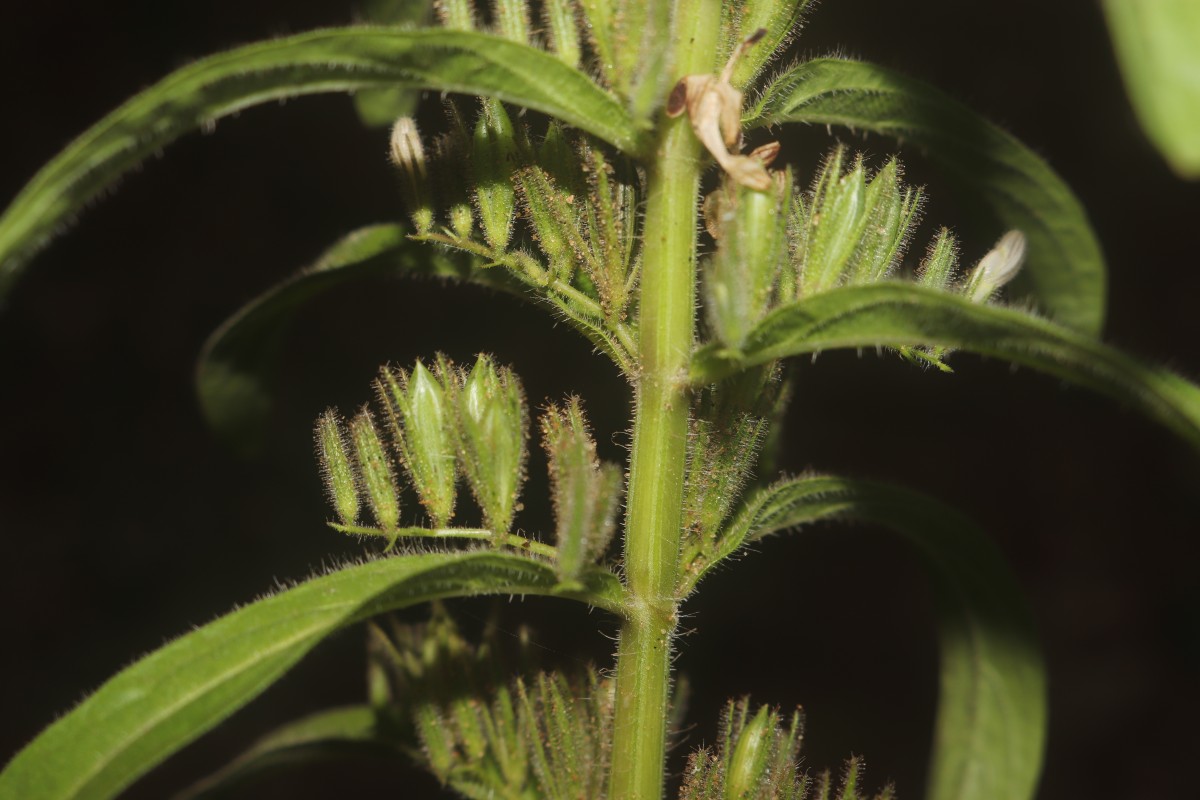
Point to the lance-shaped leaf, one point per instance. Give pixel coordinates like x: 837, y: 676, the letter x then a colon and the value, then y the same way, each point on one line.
x: 337, y: 732
x: 379, y: 108
x: 154, y: 707
x: 991, y: 719
x: 1065, y: 273
x: 334, y: 60
x: 233, y: 369
x: 905, y: 315
x: 1156, y: 44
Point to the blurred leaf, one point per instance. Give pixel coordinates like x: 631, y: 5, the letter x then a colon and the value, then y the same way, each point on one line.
x: 326, y: 734
x: 905, y: 315
x: 154, y: 707
x: 990, y: 728
x: 379, y: 108
x: 1158, y: 49
x: 346, y: 59
x: 233, y: 371
x: 1065, y: 271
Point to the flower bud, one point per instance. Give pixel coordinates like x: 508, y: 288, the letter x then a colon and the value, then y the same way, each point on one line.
x: 752, y: 246
x: 375, y: 471
x: 493, y: 152
x: 584, y: 490
x: 491, y: 437
x: 940, y: 261
x: 836, y: 221
x: 891, y: 210
x: 750, y: 757
x: 998, y: 267
x: 336, y: 469
x: 409, y: 155
x: 422, y: 428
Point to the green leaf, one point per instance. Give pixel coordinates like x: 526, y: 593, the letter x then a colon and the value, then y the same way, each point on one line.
x: 346, y: 59
x: 905, y: 315
x: 1158, y: 49
x: 233, y: 369
x: 151, y: 709
x: 327, y: 734
x: 379, y: 108
x: 990, y: 727
x: 1065, y: 270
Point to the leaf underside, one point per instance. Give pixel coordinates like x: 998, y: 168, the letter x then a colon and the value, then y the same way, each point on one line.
x: 1156, y: 42
x: 167, y: 699
x: 989, y: 732
x: 1065, y: 270
x: 233, y: 370
x: 334, y: 60
x: 904, y: 315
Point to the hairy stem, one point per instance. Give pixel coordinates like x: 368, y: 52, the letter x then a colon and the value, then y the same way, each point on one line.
x: 654, y: 521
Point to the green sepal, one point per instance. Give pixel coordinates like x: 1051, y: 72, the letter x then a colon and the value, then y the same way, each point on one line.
x: 376, y: 477
x: 894, y: 211
x: 458, y: 15
x: 493, y: 154
x: 752, y: 246
x: 511, y: 19
x: 422, y: 425
x: 940, y: 263
x: 561, y: 23
x: 336, y: 469
x: 491, y: 427
x: 583, y: 488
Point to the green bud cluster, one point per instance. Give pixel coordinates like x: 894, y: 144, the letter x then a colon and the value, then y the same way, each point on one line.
x: 586, y: 492
x: 850, y: 229
x: 443, y: 422
x: 544, y: 737
x: 757, y: 758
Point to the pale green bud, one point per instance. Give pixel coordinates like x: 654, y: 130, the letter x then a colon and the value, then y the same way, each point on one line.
x: 409, y: 155
x: 375, y: 471
x: 750, y: 757
x: 998, y: 267
x: 491, y: 428
x: 493, y: 152
x: 584, y: 490
x: 421, y: 423
x: 336, y: 469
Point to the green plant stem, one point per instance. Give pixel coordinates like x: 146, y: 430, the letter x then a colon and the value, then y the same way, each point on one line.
x: 666, y: 333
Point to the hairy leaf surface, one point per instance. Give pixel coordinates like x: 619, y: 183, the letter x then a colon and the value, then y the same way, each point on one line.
x: 990, y: 728
x: 159, y: 704
x: 901, y: 314
x: 1065, y: 272
x: 335, y: 60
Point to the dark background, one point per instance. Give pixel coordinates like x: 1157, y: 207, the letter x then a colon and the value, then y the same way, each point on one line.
x: 125, y: 522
